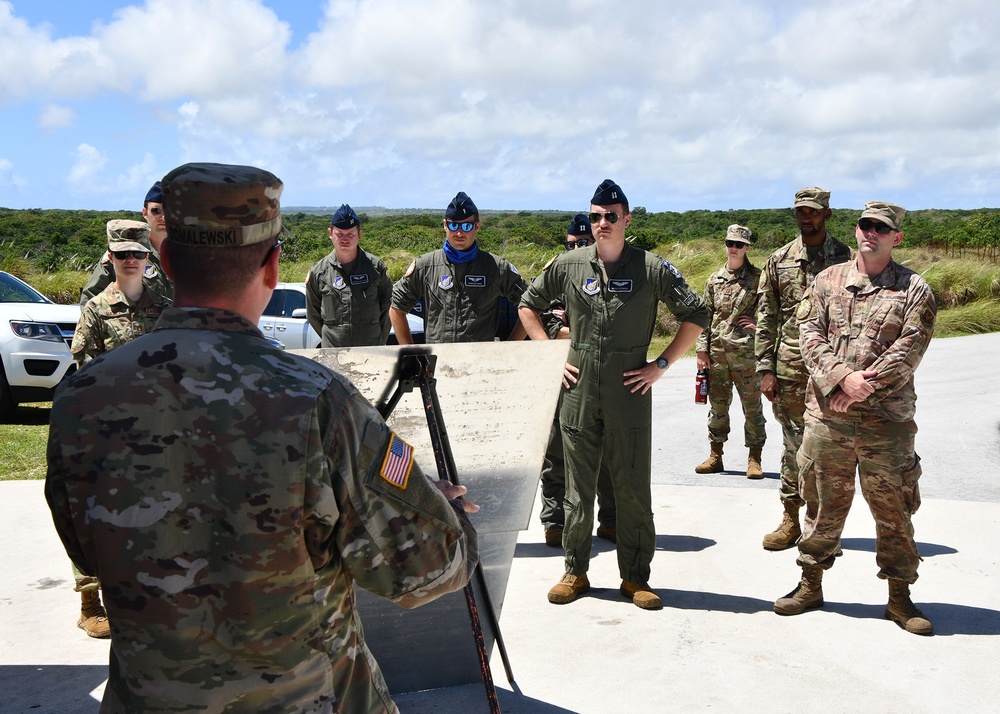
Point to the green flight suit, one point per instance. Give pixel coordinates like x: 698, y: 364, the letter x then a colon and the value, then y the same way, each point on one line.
x: 461, y: 301
x: 611, y: 325
x: 348, y: 309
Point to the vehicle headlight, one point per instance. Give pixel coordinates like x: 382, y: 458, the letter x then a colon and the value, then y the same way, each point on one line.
x: 37, y: 330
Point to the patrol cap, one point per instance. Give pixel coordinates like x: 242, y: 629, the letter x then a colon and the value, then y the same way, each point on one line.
x: 812, y: 197
x: 580, y: 226
x: 221, y: 205
x: 153, y: 195
x: 608, y: 193
x: 461, y: 208
x: 124, y: 234
x: 739, y: 233
x: 345, y: 218
x: 889, y: 213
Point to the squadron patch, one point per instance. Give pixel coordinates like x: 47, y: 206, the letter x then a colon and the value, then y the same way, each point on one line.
x: 398, y: 462
x: 359, y: 279
x: 409, y: 271
x: 551, y: 261
x: 804, y: 308
x: 591, y: 286
x: 670, y: 266
x: 446, y: 282
x: 619, y: 286
x: 475, y: 281
x: 338, y: 282
x: 150, y: 272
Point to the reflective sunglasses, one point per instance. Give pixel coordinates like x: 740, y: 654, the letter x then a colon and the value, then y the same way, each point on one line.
x: 280, y: 242
x: 611, y: 217
x: 574, y: 244
x: 878, y: 226
x: 124, y: 254
x: 736, y: 244
x: 155, y: 211
x: 466, y: 226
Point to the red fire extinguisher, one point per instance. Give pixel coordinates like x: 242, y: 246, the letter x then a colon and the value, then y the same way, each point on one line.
x: 701, y: 387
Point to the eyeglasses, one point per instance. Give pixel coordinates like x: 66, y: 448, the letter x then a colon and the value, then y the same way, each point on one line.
x: 466, y: 226
x: 155, y: 211
x: 878, y: 226
x: 124, y: 254
x: 610, y: 216
x: 574, y: 244
x: 736, y: 244
x: 280, y: 242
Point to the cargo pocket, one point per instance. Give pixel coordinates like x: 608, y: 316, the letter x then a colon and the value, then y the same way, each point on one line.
x: 911, y: 489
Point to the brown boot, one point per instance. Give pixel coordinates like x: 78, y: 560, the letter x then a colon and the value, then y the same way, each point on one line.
x: 569, y: 588
x: 807, y: 596
x: 788, y: 531
x: 753, y: 464
x: 608, y: 533
x: 713, y: 464
x: 903, y: 612
x: 641, y: 595
x: 553, y: 536
x: 93, y: 619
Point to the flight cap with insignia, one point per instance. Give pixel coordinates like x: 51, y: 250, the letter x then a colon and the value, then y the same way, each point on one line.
x: 739, y: 233
x: 221, y: 205
x: 812, y: 197
x: 580, y: 226
x: 124, y: 234
x: 345, y: 218
x: 608, y: 193
x: 154, y: 194
x: 888, y: 213
x: 461, y: 208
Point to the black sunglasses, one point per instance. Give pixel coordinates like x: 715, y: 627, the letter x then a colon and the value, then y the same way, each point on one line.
x: 155, y: 210
x: 878, y: 226
x: 124, y: 254
x: 581, y: 243
x: 611, y: 217
x: 280, y: 242
x: 466, y: 226
x: 736, y: 244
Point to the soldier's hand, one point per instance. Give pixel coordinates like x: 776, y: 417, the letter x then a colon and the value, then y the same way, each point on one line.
x: 451, y: 492
x: 769, y: 386
x: 702, y: 361
x: 643, y: 378
x: 746, y: 322
x: 840, y: 402
x: 570, y: 375
x: 856, y: 384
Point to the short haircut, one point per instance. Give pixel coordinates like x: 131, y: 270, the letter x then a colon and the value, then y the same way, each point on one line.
x: 215, y: 271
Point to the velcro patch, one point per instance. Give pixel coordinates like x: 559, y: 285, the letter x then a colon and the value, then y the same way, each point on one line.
x: 670, y: 266
x: 446, y: 282
x: 398, y: 462
x: 619, y: 286
x: 591, y: 286
x: 359, y: 279
x: 475, y: 281
x: 338, y: 282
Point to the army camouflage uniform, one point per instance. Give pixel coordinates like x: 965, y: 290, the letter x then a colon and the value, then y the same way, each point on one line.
x: 461, y: 301
x: 110, y: 319
x: 349, y: 309
x: 611, y: 325
x: 848, y: 323
x: 786, y: 276
x: 153, y: 278
x: 729, y: 296
x: 229, y: 502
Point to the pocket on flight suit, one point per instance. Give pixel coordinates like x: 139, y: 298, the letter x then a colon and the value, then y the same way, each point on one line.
x: 911, y: 487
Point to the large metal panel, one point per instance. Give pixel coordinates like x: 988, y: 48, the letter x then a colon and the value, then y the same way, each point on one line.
x: 497, y: 401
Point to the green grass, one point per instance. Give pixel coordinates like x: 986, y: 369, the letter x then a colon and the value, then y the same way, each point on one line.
x: 22, y: 445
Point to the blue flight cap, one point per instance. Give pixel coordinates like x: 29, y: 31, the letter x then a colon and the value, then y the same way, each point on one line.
x: 345, y: 218
x: 608, y: 193
x: 461, y: 208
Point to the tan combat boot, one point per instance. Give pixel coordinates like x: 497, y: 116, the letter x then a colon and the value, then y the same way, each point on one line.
x: 903, y: 612
x: 553, y: 536
x: 788, y: 531
x: 93, y: 618
x: 608, y: 533
x: 569, y: 588
x: 753, y: 464
x: 713, y: 464
x: 641, y: 595
x: 807, y: 596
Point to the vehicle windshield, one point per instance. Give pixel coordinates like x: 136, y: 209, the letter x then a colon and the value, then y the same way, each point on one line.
x: 13, y: 290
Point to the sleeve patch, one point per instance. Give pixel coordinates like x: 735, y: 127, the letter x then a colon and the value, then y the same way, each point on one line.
x: 670, y: 266
x: 398, y: 462
x: 409, y: 271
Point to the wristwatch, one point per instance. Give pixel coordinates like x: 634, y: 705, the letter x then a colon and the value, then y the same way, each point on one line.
x: 662, y: 363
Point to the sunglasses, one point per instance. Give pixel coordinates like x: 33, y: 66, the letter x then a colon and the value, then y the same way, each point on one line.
x: 610, y: 216
x: 465, y: 226
x: 878, y: 226
x: 124, y: 254
x: 574, y: 244
x: 736, y: 244
x: 155, y: 211
x: 280, y: 242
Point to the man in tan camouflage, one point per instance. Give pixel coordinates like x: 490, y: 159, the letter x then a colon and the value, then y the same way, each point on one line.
x: 787, y: 274
x: 230, y: 495
x: 863, y: 329
x: 725, y: 351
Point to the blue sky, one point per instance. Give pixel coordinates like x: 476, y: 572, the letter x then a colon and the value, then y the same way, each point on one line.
x: 522, y: 104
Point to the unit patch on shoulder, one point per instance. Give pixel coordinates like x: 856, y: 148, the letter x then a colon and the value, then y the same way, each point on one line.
x: 670, y: 266
x: 361, y: 279
x: 475, y: 281
x: 398, y: 462
x: 591, y: 286
x: 338, y: 282
x: 551, y: 261
x: 445, y: 282
x: 409, y: 271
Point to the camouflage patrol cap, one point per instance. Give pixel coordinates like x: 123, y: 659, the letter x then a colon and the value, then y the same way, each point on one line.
x: 812, y: 197
x: 221, y: 205
x: 739, y: 233
x: 461, y: 208
x: 889, y: 213
x: 124, y: 234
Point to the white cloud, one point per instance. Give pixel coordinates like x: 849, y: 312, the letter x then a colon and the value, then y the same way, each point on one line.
x: 85, y: 174
x: 54, y: 116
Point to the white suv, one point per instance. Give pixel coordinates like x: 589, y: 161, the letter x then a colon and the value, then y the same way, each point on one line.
x: 35, y: 334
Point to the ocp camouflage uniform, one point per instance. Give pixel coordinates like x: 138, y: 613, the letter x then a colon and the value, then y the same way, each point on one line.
x: 349, y: 309
x: 110, y: 319
x: 153, y: 278
x: 729, y: 296
x: 787, y: 275
x: 611, y: 325
x: 229, y: 501
x: 849, y: 323
x: 461, y: 300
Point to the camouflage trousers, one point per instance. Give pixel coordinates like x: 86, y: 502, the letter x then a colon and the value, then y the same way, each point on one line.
x: 553, y: 514
x: 789, y: 410
x: 83, y: 582
x: 722, y: 377
x: 888, y: 470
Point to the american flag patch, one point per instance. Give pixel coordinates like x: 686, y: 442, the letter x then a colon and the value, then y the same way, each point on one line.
x: 398, y: 462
